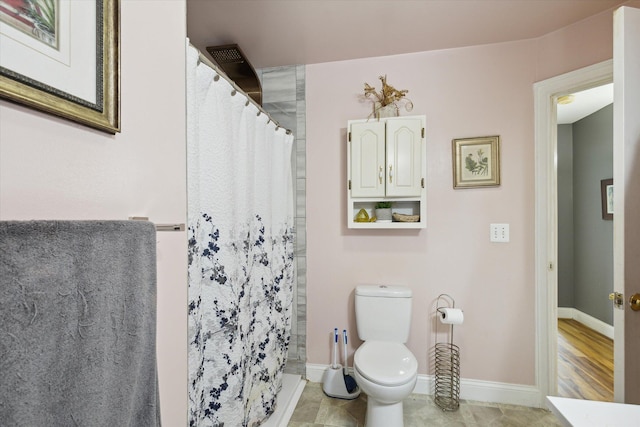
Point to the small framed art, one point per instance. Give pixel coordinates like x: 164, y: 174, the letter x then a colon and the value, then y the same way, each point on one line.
x: 476, y: 162
x: 606, y: 195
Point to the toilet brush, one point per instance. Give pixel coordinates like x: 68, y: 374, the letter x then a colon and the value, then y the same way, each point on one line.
x: 349, y: 381
x: 334, y: 361
x: 335, y: 381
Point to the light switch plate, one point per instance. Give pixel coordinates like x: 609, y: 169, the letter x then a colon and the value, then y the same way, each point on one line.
x: 499, y: 233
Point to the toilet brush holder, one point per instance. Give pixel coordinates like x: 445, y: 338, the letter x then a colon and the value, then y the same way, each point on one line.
x: 333, y: 384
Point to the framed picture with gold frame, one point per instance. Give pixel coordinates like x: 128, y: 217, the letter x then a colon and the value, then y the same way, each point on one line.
x: 62, y: 57
x: 476, y: 162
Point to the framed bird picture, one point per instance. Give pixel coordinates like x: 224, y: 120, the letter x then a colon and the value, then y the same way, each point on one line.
x: 476, y: 162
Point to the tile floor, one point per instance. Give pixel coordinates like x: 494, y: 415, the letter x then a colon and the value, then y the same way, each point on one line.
x: 315, y: 409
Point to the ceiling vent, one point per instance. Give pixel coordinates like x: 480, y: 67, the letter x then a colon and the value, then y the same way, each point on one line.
x: 237, y: 67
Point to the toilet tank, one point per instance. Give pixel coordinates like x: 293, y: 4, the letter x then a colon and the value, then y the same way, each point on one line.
x: 383, y: 312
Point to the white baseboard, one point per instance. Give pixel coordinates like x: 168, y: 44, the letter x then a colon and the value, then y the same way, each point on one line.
x: 566, y: 312
x: 587, y: 320
x: 482, y: 391
x: 315, y: 372
x: 512, y: 394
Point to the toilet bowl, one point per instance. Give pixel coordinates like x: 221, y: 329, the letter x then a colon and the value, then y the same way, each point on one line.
x: 386, y: 372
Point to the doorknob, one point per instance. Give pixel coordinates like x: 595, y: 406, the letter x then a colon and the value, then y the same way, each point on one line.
x: 634, y: 302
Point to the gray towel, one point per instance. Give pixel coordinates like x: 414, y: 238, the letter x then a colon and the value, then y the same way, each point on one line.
x: 78, y: 324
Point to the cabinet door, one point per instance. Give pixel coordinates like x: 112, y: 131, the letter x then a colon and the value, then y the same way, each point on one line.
x: 367, y: 159
x: 404, y: 157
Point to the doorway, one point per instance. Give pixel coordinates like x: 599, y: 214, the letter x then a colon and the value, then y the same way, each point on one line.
x: 584, y: 159
x: 546, y: 94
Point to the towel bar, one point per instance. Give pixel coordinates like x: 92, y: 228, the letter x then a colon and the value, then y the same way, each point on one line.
x: 160, y: 227
x: 169, y: 227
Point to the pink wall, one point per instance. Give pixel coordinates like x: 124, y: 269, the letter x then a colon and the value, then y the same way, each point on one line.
x: 587, y: 42
x: 53, y: 169
x: 475, y: 91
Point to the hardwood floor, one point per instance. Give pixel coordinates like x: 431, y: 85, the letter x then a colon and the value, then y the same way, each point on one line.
x: 585, y: 362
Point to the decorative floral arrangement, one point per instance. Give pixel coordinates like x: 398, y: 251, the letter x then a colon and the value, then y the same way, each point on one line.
x: 387, y: 97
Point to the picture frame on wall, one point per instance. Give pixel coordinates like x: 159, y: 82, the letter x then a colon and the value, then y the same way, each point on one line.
x: 606, y: 196
x: 62, y: 57
x: 476, y: 162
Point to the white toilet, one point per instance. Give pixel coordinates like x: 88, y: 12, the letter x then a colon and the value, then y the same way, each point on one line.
x: 385, y: 370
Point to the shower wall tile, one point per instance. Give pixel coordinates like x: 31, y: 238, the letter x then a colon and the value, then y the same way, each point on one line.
x: 301, y: 203
x: 283, y: 96
x: 293, y: 345
x: 301, y: 82
x: 301, y: 271
x: 278, y: 84
x: 301, y: 161
x: 302, y: 314
x: 294, y: 172
x: 302, y: 297
x: 284, y: 112
x: 301, y: 144
x: 301, y: 238
x: 302, y: 345
x: 301, y: 118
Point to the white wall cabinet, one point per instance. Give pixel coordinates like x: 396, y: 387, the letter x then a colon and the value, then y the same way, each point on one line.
x: 386, y: 161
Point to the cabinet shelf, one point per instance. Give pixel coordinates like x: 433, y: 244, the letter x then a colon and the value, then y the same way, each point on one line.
x: 402, y: 206
x: 388, y: 225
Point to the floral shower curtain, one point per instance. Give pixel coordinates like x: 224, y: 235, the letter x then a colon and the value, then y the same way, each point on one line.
x: 241, y: 254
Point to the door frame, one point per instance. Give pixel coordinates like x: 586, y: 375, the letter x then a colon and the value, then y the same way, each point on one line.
x: 546, y: 93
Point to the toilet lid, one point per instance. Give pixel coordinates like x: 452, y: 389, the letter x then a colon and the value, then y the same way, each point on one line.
x: 385, y: 363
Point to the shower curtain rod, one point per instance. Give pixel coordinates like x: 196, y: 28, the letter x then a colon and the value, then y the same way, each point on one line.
x: 219, y: 72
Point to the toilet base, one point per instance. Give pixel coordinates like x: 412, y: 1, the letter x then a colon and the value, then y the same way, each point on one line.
x: 383, y: 414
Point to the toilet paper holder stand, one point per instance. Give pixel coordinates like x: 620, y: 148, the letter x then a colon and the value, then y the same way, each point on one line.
x: 447, y: 363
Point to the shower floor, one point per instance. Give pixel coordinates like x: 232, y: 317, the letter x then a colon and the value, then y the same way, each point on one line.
x: 292, y: 387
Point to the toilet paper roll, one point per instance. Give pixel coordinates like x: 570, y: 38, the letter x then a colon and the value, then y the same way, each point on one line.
x: 451, y: 316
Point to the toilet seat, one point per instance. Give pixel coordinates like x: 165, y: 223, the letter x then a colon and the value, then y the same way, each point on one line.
x: 385, y: 363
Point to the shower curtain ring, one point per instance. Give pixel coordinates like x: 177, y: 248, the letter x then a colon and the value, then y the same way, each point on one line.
x: 246, y: 104
x: 216, y: 78
x: 233, y: 92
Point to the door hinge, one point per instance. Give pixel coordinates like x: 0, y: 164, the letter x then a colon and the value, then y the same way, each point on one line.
x: 349, y: 184
x: 422, y: 182
x: 349, y: 136
x: 550, y: 266
x: 423, y: 132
